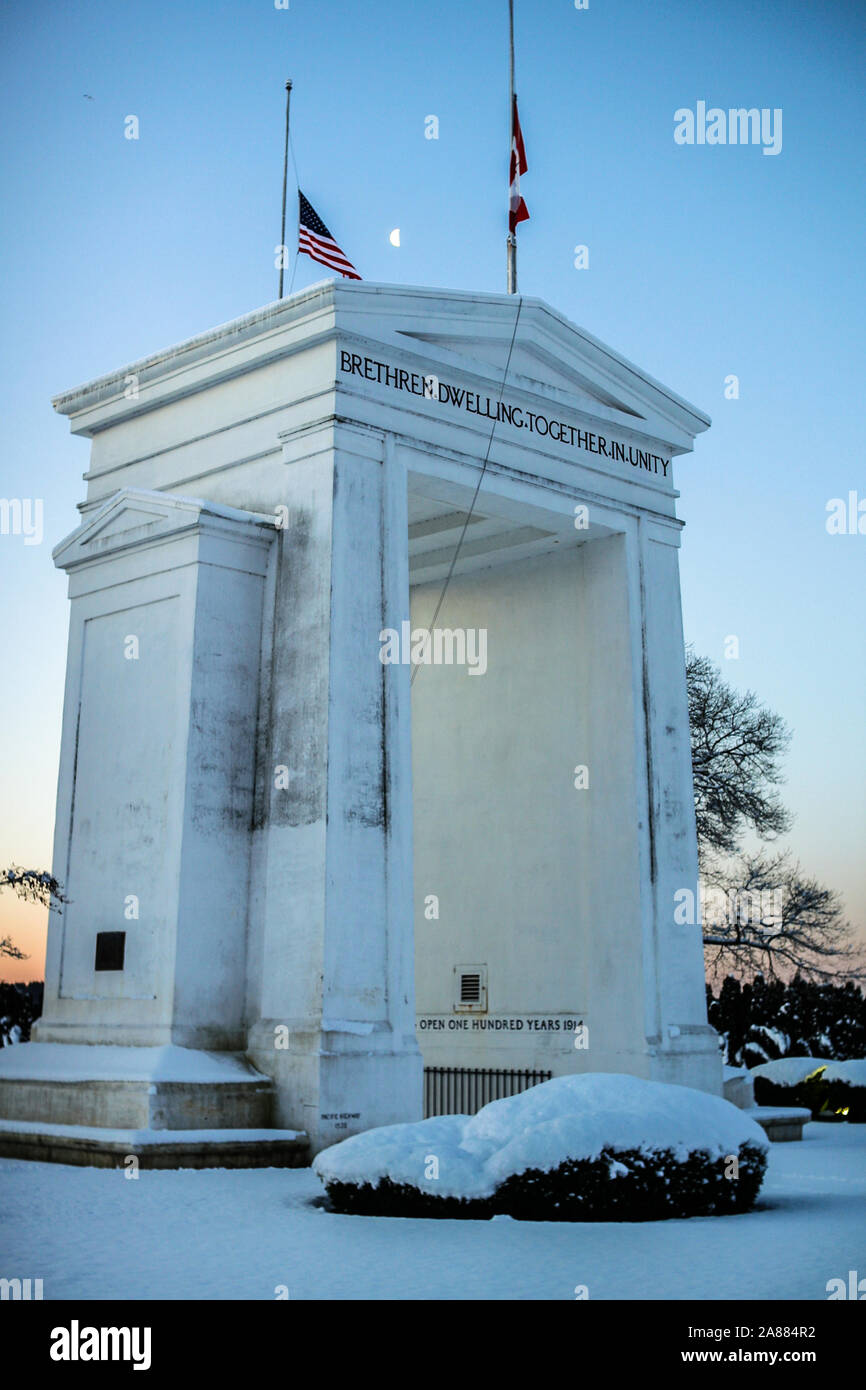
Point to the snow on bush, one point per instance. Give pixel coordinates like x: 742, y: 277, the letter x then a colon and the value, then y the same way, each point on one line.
x: 827, y: 1088
x: 792, y: 1081
x: 788, y: 1071
x: 596, y: 1146
x: 854, y: 1072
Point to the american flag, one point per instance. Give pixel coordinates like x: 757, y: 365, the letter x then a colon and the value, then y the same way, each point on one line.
x: 316, y: 241
x: 517, y: 209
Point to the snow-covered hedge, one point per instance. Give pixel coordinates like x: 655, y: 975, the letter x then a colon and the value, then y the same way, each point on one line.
x: 825, y: 1087
x: 788, y: 1071
x: 791, y: 1081
x: 846, y: 1088
x: 580, y: 1148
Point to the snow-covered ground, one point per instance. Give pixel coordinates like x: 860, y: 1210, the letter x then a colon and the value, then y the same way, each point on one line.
x: 216, y: 1234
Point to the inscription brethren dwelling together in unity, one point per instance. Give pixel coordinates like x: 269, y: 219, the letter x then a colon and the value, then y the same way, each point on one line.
x: 296, y: 876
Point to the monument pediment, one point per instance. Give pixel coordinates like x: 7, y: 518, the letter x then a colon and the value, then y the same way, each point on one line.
x: 550, y: 355
x: 534, y: 366
x: 135, y: 515
x: 123, y: 520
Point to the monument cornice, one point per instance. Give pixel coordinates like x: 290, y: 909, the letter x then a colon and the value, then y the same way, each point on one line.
x: 466, y: 332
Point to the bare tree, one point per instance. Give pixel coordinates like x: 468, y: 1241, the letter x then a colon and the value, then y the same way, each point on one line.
x: 736, y: 746
x: 762, y: 915
x: 35, y: 885
x: 760, y: 912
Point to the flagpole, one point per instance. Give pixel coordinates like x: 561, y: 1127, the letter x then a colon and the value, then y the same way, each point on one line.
x: 285, y: 177
x: 511, y: 240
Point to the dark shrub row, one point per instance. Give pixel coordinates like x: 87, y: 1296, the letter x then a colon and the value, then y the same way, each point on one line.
x: 655, y: 1186
x: 767, y: 1019
x: 815, y: 1094
x: 811, y: 1094
x: 842, y: 1094
x: 20, y: 1006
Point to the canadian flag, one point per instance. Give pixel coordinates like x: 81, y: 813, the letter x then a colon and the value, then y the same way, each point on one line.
x: 517, y: 209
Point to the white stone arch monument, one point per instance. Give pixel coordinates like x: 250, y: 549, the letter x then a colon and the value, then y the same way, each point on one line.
x: 236, y: 808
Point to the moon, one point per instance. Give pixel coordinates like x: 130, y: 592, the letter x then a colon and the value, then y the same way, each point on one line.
x: 394, y: 238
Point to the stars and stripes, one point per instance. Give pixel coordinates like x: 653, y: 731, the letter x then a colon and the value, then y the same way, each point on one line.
x: 517, y: 209
x: 316, y: 241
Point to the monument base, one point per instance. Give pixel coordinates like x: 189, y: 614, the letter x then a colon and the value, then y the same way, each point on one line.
x: 689, y: 1057
x: 169, y: 1106
x: 347, y: 1079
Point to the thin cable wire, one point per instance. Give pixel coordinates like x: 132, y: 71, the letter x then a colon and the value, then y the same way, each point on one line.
x: 477, y: 488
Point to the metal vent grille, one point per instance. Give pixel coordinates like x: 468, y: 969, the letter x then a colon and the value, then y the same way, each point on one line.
x: 464, y: 1090
x: 470, y: 989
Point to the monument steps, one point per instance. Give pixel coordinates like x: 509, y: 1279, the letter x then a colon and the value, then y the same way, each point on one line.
x: 169, y: 1107
x: 96, y: 1147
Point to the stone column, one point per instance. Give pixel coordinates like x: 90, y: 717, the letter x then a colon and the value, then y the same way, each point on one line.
x: 614, y: 829
x: 333, y: 935
x: 155, y: 793
x: 683, y: 1047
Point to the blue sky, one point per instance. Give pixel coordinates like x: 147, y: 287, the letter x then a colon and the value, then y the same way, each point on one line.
x: 703, y: 261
